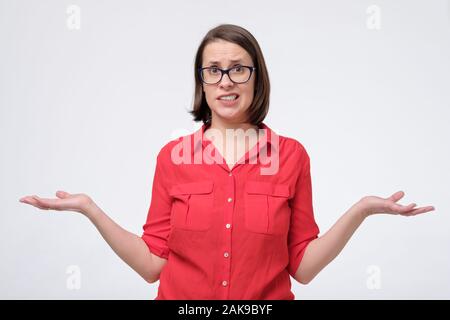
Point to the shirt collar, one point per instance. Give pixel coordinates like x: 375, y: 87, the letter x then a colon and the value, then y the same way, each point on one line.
x: 267, y: 139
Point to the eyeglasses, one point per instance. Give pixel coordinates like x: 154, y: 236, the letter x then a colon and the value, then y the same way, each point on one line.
x: 237, y: 74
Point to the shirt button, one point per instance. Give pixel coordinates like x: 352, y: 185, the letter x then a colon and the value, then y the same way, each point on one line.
x: 224, y: 283
x: 226, y: 254
x: 230, y: 199
x: 230, y: 174
x: 228, y: 226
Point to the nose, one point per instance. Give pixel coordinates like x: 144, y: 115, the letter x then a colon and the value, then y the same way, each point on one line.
x: 226, y: 81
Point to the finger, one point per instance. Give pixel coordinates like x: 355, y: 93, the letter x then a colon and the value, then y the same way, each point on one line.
x: 417, y: 211
x: 396, y: 196
x: 38, y: 202
x: 46, y: 204
x: 34, y: 202
x: 398, y: 208
x: 26, y: 198
x: 62, y: 194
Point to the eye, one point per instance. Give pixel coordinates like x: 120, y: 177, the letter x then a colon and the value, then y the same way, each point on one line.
x: 213, y: 70
x: 238, y: 69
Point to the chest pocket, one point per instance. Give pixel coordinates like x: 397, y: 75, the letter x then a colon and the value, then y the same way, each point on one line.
x: 266, y: 208
x: 192, y: 205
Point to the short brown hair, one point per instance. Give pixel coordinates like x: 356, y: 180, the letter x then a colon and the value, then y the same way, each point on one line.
x: 257, y: 111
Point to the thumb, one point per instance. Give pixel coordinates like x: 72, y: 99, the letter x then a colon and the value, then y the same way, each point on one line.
x: 396, y: 196
x: 62, y: 194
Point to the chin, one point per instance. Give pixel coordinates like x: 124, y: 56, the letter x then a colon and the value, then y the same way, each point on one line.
x: 225, y: 116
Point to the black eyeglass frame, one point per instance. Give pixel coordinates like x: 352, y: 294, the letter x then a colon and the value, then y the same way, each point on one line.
x: 225, y: 71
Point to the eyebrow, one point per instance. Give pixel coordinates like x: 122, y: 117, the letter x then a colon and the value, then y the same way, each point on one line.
x: 232, y: 61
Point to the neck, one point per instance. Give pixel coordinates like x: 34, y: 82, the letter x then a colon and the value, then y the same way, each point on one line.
x: 222, y: 126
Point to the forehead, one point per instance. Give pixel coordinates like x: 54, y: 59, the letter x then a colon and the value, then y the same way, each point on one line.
x: 224, y: 52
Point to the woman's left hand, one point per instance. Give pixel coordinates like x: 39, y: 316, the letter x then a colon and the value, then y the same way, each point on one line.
x: 373, y: 205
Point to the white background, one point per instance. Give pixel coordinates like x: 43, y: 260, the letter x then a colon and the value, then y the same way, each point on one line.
x: 87, y: 110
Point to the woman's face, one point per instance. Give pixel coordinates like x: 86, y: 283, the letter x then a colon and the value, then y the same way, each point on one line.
x: 224, y: 55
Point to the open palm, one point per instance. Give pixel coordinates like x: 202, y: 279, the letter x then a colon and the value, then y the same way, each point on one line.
x: 65, y: 201
x: 374, y: 205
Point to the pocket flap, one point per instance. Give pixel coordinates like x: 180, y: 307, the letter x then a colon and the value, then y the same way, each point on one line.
x: 272, y: 189
x: 192, y: 188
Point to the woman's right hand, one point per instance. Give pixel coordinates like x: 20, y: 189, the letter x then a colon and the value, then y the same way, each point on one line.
x: 130, y: 247
x: 79, y: 202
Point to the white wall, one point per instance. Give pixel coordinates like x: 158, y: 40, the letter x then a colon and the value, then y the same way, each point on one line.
x: 87, y: 110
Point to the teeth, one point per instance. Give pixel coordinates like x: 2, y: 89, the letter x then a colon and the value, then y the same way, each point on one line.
x: 228, y: 97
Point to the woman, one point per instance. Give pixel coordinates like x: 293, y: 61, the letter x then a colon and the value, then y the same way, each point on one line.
x: 231, y: 214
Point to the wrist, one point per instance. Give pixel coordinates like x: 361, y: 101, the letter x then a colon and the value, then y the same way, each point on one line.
x: 91, y: 210
x: 362, y: 209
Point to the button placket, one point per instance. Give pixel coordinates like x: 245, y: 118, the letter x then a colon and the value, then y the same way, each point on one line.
x: 227, y: 238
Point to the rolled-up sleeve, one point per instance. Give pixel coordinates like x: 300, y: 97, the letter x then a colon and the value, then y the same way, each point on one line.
x: 157, y: 227
x: 303, y: 228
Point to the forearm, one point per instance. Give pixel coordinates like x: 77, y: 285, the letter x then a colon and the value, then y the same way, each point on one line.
x: 321, y: 251
x: 128, y: 246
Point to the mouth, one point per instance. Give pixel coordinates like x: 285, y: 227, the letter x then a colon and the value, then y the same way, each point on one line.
x: 229, y: 100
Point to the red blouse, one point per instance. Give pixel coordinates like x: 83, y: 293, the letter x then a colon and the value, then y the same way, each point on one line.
x: 230, y: 233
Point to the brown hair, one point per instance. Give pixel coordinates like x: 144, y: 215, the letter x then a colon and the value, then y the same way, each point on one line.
x: 240, y: 36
